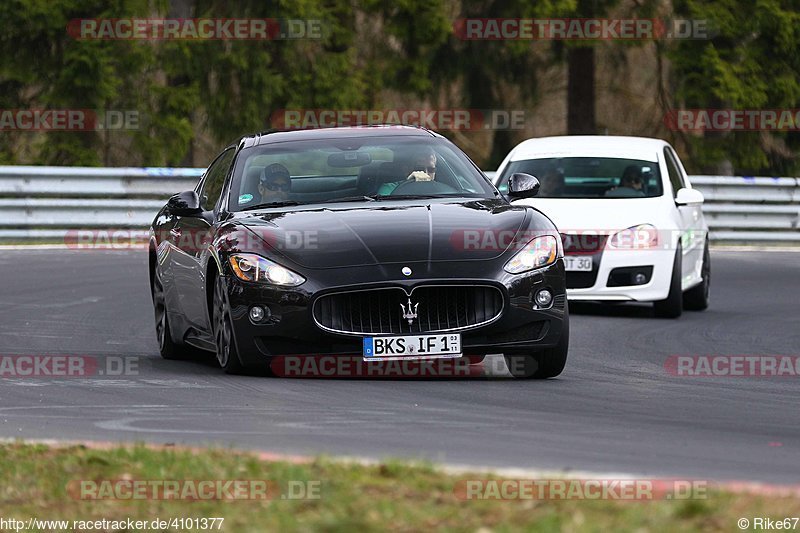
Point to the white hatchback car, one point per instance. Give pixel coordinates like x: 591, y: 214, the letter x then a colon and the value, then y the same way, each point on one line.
x: 632, y: 226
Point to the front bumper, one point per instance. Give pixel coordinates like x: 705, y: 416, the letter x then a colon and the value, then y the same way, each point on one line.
x: 291, y: 330
x: 657, y: 288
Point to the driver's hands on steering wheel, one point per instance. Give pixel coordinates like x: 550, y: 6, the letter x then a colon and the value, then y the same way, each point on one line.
x: 419, y: 175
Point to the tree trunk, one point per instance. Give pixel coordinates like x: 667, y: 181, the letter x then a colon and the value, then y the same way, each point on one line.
x: 580, y: 91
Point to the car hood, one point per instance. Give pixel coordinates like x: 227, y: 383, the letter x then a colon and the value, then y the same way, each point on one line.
x: 603, y: 216
x: 335, y: 237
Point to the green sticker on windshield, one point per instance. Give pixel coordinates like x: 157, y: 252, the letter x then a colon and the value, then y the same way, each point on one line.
x: 244, y: 198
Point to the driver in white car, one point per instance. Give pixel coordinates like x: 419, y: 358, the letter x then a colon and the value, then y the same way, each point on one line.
x: 630, y: 185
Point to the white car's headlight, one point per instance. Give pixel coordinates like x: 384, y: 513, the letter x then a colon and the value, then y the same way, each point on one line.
x: 540, y: 252
x: 635, y: 238
x: 253, y: 267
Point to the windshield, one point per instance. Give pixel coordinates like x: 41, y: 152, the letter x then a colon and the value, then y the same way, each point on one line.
x: 589, y: 177
x: 353, y: 169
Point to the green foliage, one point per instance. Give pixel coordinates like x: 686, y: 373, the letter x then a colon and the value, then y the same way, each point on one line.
x: 407, y: 36
x: 752, y: 62
x: 45, y: 68
x: 373, y: 54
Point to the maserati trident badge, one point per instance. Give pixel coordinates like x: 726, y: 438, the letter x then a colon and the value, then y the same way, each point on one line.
x: 406, y: 271
x: 411, y: 313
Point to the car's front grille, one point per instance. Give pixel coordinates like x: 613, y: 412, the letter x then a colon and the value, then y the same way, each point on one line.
x: 390, y: 310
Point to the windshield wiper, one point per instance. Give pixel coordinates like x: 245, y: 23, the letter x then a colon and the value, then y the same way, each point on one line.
x: 350, y: 199
x: 271, y: 204
x: 409, y: 196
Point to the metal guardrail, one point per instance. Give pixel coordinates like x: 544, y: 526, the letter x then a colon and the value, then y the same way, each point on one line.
x: 47, y: 203
x: 89, y: 182
x: 751, y: 209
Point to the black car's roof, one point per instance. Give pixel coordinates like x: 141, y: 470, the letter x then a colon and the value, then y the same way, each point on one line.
x: 269, y: 137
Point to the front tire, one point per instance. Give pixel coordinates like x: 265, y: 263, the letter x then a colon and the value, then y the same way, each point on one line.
x: 672, y: 306
x: 224, y: 339
x: 697, y: 298
x: 547, y: 363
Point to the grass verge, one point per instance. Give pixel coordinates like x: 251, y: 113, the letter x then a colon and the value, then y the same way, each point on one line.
x: 40, y: 481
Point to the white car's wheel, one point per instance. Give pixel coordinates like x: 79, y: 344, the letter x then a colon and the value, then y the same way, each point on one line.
x: 697, y: 298
x: 672, y: 305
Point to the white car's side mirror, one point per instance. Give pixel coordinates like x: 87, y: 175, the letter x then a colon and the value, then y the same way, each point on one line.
x: 689, y: 197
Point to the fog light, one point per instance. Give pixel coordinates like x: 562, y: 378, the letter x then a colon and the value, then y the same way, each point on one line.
x: 257, y: 313
x: 543, y: 298
x: 639, y: 279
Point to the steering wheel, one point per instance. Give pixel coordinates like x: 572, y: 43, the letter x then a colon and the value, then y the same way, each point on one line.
x: 423, y: 187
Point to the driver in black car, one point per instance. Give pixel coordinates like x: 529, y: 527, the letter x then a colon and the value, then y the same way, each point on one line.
x: 423, y: 169
x: 274, y: 184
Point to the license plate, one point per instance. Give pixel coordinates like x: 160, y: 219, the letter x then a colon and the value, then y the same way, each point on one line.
x: 413, y: 347
x: 577, y: 264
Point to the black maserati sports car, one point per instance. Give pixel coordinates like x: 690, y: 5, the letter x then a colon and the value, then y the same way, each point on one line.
x: 382, y: 243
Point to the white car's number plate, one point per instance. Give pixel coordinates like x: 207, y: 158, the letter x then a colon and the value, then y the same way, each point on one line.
x: 413, y: 347
x: 574, y: 263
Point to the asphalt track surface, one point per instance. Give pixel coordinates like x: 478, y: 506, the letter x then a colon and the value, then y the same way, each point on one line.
x: 614, y: 410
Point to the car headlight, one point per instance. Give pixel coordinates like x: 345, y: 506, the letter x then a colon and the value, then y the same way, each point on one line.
x: 253, y: 267
x: 635, y: 238
x: 538, y: 253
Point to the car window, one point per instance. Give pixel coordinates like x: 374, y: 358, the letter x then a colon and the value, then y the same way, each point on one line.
x: 675, y: 177
x: 589, y: 177
x: 327, y: 170
x: 215, y: 179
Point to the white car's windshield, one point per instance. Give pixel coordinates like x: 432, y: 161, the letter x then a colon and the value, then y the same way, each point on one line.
x: 589, y: 177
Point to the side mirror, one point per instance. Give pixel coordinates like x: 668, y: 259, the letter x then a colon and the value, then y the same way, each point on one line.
x: 521, y: 185
x: 689, y: 197
x: 185, y: 204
